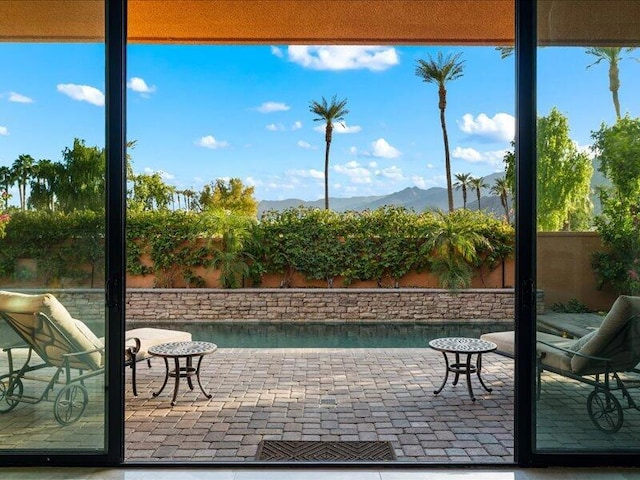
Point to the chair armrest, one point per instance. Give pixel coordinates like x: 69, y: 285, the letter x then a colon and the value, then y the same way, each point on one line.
x: 76, y: 354
x: 133, y: 349
x: 15, y: 345
x: 573, y: 352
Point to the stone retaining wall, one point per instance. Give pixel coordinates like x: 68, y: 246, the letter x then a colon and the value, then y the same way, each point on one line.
x: 146, y: 306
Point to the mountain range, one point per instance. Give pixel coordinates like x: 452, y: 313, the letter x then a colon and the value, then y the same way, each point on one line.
x: 412, y: 198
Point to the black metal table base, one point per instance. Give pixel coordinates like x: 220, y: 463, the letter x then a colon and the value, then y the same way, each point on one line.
x: 465, y: 368
x: 179, y: 372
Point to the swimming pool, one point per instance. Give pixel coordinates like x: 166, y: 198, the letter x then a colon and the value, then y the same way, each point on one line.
x: 328, y: 335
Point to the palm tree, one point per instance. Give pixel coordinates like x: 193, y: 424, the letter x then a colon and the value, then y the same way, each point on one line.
x: 612, y: 55
x: 328, y: 113
x: 501, y: 188
x: 452, y: 246
x: 440, y: 72
x: 6, y: 180
x: 44, y: 184
x: 463, y: 183
x: 478, y: 183
x: 22, y: 170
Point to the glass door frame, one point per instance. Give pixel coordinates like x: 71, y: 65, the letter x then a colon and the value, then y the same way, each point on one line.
x: 115, y: 209
x: 526, y: 231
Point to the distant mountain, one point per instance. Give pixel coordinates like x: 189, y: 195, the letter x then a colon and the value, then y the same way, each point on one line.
x: 414, y: 198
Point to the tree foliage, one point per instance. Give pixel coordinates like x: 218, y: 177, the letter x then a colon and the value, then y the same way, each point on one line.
x: 230, y: 195
x: 149, y: 192
x: 564, y: 176
x: 82, y: 178
x: 618, y: 148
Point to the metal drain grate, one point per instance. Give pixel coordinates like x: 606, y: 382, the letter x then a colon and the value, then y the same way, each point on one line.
x: 283, y: 450
x: 328, y: 401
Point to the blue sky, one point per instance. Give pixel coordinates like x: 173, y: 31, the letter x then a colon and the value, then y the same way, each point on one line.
x: 203, y: 112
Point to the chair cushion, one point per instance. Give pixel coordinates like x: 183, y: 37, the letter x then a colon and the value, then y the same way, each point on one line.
x: 504, y: 340
x: 552, y: 357
x: 618, y: 338
x: 153, y: 336
x: 51, y: 344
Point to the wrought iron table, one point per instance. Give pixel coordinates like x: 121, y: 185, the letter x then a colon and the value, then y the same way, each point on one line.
x: 462, y: 345
x: 188, y: 351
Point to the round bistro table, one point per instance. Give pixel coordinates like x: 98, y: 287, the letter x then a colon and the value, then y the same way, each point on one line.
x: 188, y: 351
x: 462, y: 345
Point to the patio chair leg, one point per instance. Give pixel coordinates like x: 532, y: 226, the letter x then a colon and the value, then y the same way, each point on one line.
x: 133, y: 378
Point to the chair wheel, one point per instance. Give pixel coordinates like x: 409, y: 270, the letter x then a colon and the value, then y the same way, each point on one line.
x: 604, y: 410
x: 70, y: 404
x: 10, y: 388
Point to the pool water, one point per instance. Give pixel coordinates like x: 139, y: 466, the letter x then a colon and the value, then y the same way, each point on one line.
x: 309, y: 334
x: 329, y: 335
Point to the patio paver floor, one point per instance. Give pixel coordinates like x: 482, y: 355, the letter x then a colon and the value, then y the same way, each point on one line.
x: 324, y: 394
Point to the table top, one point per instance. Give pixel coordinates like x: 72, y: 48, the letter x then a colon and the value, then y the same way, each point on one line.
x: 183, y: 349
x: 462, y: 345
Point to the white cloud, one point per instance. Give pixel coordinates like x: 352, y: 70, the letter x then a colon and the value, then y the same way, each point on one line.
x: 82, y: 93
x: 296, y: 125
x: 4, y: 130
x: 272, y: 127
x: 356, y: 172
x: 137, y: 84
x: 353, y: 150
x: 210, y: 142
x: 339, y: 128
x: 268, y: 107
x: 311, y: 173
x: 337, y: 57
x: 424, y: 183
x: 164, y: 175
x: 277, y: 51
x: 471, y: 155
x: 18, y: 98
x: 394, y: 173
x: 586, y: 149
x: 373, y: 165
x: 382, y: 149
x: 303, y: 144
x: 500, y: 128
x: 429, y: 165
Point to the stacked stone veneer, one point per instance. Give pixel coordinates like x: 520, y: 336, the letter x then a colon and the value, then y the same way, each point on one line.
x: 147, y: 306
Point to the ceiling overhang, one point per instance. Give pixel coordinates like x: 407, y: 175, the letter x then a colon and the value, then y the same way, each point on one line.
x: 444, y: 22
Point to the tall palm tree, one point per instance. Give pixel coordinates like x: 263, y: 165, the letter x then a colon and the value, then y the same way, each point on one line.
x: 6, y: 180
x: 44, y: 184
x: 478, y: 183
x: 22, y: 170
x: 441, y: 71
x: 328, y: 113
x: 612, y: 55
x: 463, y: 183
x: 501, y: 188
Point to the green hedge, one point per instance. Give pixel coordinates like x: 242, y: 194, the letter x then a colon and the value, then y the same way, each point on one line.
x: 381, y: 245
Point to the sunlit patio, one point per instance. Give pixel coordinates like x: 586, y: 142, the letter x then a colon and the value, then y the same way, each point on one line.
x: 327, y: 395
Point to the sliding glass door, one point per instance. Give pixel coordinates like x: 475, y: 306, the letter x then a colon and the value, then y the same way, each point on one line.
x: 588, y: 228
x: 57, y: 384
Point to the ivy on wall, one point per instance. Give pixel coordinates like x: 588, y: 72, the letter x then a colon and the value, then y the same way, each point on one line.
x: 381, y: 245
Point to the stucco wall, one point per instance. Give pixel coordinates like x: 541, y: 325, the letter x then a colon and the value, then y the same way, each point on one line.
x: 564, y: 269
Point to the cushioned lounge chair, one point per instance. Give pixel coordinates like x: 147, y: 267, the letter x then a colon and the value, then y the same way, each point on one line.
x: 598, y: 359
x: 52, y: 338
